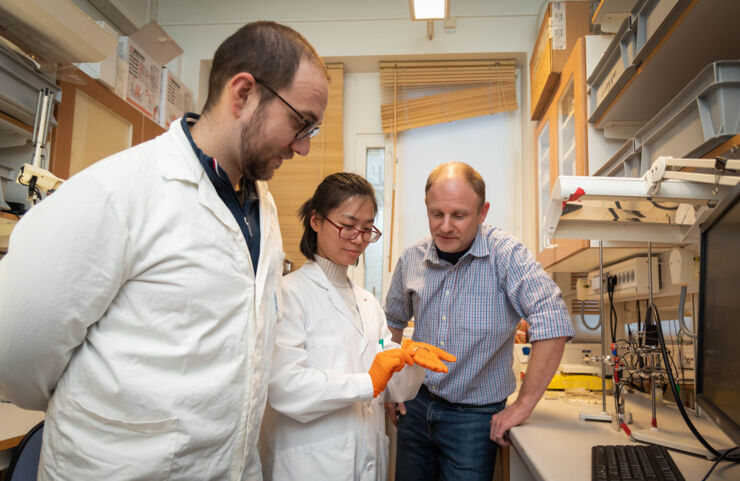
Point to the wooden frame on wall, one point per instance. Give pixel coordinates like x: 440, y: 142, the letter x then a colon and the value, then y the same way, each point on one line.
x: 78, y: 90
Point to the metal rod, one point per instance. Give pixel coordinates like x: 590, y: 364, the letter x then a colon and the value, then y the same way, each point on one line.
x: 603, y: 325
x: 654, y: 420
x: 653, y: 364
x: 41, y: 125
x: 39, y: 103
x: 47, y: 126
x: 650, y: 276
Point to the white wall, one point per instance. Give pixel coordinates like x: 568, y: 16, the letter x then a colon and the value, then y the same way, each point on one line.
x: 350, y: 30
x: 347, y: 28
x: 489, y: 144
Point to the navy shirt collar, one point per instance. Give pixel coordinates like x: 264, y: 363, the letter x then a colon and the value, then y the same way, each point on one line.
x: 245, y: 212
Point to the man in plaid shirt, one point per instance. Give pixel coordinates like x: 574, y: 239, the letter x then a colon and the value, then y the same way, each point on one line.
x: 467, y: 286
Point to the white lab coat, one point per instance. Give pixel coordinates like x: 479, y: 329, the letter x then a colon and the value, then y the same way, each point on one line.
x: 322, y: 422
x: 129, y: 304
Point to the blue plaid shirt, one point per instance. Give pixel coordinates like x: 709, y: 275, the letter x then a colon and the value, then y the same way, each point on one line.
x: 471, y: 310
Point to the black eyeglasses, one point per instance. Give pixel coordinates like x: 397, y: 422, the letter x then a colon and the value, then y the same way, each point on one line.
x: 350, y: 233
x: 309, y: 128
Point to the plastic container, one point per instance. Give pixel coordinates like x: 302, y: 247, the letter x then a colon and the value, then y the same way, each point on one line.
x: 651, y: 19
x: 624, y: 163
x: 614, y: 70
x: 577, y: 386
x: 702, y: 116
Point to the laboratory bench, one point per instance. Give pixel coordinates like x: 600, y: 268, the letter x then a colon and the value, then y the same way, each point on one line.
x: 554, y: 445
x: 14, y: 424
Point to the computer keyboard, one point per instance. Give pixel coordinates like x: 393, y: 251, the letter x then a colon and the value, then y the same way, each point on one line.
x: 633, y: 462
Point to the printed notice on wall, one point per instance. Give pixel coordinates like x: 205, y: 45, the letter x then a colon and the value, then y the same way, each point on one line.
x: 557, y: 25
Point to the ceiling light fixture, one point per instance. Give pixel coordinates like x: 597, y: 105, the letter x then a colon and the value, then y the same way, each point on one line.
x: 429, y: 9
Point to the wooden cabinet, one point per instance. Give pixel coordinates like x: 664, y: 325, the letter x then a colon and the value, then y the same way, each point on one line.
x: 564, y: 23
x: 93, y: 123
x: 561, y: 149
x: 543, y: 142
x: 296, y: 180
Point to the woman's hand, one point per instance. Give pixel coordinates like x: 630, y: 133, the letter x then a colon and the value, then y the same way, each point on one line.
x: 428, y: 356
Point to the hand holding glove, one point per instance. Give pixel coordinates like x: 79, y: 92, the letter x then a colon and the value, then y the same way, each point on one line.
x: 427, y: 356
x: 384, y: 365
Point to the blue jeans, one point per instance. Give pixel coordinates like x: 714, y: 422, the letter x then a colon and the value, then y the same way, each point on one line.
x: 438, y: 440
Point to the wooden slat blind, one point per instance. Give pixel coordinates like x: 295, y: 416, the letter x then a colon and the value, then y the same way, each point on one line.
x: 461, y: 72
x: 297, y: 179
x: 492, y: 90
x: 450, y: 106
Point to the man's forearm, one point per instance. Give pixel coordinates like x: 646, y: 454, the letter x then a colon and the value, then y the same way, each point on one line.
x: 543, y: 361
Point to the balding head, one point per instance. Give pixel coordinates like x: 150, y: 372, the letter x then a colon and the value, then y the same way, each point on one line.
x: 461, y: 170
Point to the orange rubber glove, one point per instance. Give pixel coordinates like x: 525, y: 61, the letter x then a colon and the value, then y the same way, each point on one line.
x: 428, y: 356
x: 384, y: 365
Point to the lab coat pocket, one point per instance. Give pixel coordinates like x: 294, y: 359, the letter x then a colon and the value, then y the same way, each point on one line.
x: 113, y: 448
x: 332, y: 458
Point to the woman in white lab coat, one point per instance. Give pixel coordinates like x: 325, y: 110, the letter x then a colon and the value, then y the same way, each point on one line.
x: 334, y: 352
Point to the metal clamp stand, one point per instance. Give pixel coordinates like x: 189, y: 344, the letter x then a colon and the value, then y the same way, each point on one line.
x: 34, y: 175
x: 654, y: 435
x: 603, y: 415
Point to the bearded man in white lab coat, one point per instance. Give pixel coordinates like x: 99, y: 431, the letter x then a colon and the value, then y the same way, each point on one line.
x: 138, y: 301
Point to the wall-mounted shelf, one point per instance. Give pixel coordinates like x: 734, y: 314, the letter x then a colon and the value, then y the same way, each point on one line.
x: 19, y: 88
x: 658, y: 207
x: 58, y: 31
x: 702, y: 32
x: 13, y: 133
x: 611, y: 13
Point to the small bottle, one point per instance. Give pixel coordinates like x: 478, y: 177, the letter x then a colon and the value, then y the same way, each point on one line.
x: 525, y: 360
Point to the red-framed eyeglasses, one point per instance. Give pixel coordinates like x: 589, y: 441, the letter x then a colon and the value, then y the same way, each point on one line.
x: 350, y: 233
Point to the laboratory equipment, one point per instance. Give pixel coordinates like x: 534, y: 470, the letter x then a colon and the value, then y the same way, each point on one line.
x: 666, y: 204
x: 35, y: 175
x: 603, y: 415
x: 718, y: 363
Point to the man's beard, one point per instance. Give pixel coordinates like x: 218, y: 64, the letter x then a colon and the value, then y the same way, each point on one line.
x: 255, y: 158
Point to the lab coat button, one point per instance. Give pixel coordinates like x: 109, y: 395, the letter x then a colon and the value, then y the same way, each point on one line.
x: 370, y: 466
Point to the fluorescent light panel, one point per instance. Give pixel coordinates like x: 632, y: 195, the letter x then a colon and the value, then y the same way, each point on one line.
x: 429, y: 9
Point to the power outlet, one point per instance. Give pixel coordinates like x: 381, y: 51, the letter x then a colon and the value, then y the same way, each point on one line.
x: 630, y: 277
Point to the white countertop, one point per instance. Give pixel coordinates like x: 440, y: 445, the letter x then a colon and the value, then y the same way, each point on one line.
x: 555, y: 445
x: 15, y: 421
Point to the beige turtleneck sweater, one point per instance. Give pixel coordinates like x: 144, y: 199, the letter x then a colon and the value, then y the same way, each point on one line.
x: 337, y: 276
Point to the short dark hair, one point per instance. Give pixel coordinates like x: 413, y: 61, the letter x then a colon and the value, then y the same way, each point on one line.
x: 330, y: 194
x: 268, y: 50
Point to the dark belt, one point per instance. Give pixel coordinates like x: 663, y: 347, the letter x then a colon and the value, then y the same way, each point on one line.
x: 423, y: 390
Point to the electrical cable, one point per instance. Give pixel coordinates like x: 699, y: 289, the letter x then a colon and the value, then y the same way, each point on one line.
x: 585, y: 324
x: 719, y: 460
x: 611, y: 283
x: 661, y: 340
x: 683, y: 328
x: 679, y: 341
x: 663, y: 207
